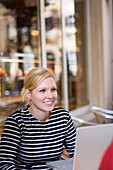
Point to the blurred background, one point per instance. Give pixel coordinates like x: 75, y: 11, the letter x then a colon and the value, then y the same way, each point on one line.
x: 71, y: 38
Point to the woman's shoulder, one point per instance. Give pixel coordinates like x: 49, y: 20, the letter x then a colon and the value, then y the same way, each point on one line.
x: 61, y: 112
x: 18, y: 114
x: 59, y: 109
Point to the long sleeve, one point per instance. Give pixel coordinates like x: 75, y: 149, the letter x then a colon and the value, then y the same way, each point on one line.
x: 70, y: 137
x: 9, y: 144
x: 27, y: 142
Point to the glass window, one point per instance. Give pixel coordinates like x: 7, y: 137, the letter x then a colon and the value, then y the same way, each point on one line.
x: 54, y: 42
x: 76, y: 53
x: 19, y: 49
x: 75, y: 49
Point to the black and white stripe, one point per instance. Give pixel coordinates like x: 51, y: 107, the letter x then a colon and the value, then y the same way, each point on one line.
x: 27, y: 143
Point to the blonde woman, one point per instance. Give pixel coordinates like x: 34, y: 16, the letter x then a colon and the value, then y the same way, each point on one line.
x: 37, y: 133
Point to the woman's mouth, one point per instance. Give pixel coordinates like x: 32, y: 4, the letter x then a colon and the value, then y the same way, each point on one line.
x: 48, y: 102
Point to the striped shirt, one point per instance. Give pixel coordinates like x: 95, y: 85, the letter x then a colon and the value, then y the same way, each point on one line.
x: 27, y: 143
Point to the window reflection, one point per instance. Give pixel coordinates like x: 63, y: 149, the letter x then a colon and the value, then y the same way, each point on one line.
x: 76, y: 54
x: 19, y: 44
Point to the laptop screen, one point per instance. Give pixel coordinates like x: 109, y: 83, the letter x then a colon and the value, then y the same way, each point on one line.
x: 91, y: 144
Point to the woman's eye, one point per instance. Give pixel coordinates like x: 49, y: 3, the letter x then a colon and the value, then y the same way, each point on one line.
x: 43, y: 90
x: 54, y: 89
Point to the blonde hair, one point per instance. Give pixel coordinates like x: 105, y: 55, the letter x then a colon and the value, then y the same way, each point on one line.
x: 34, y: 77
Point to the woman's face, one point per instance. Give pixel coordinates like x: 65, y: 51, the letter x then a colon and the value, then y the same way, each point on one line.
x: 44, y: 96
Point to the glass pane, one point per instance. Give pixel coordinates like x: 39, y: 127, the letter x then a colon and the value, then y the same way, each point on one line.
x: 76, y: 54
x: 19, y: 49
x: 54, y: 42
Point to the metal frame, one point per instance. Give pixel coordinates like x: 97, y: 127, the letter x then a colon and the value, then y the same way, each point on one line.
x: 101, y: 112
x: 83, y: 122
x: 42, y: 30
x: 65, y: 89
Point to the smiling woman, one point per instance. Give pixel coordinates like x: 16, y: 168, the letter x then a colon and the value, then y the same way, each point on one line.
x: 33, y: 79
x: 38, y: 133
x: 45, y: 93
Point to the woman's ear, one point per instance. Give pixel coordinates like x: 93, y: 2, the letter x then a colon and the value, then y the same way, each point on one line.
x: 27, y: 94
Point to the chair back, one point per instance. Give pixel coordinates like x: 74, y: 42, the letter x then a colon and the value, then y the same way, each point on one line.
x: 100, y: 113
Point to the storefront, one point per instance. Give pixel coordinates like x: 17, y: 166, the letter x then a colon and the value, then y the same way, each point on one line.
x: 52, y: 34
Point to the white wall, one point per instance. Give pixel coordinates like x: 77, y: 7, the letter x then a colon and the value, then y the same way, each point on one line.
x: 101, y: 53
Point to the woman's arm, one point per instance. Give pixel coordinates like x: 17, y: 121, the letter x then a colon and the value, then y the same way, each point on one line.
x: 9, y: 144
x: 70, y: 137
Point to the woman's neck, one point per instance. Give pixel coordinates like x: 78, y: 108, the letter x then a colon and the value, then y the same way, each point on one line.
x: 39, y: 115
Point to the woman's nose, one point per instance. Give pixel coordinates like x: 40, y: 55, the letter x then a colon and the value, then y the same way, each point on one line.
x: 49, y: 94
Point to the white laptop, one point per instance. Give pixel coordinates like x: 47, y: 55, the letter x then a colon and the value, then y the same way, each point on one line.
x: 91, y: 144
